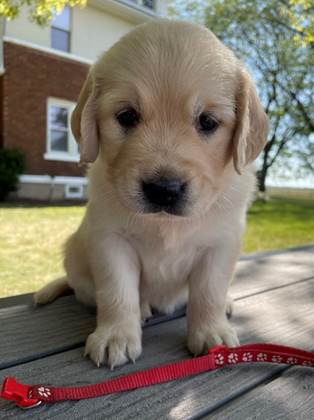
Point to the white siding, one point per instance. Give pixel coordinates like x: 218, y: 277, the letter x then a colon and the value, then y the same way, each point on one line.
x: 2, y: 33
x: 23, y: 29
x: 95, y: 31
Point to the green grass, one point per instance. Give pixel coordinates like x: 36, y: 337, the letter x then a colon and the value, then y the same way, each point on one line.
x: 31, y: 242
x: 31, y: 238
x: 279, y: 223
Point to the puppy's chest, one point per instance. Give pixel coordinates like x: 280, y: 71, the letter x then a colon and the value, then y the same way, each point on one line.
x: 164, y: 266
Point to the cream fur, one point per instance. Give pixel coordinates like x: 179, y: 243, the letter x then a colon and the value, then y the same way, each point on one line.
x: 127, y: 262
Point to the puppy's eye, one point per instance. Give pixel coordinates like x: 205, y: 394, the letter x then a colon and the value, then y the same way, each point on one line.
x: 207, y: 123
x: 128, y: 118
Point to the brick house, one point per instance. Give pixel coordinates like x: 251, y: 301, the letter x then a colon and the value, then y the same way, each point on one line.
x: 42, y: 71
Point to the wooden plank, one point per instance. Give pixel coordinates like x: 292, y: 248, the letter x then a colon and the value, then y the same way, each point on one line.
x: 67, y: 323
x: 36, y: 332
x: 25, y: 299
x: 284, y: 316
x: 70, y: 368
x: 288, y: 397
x: 32, y: 333
x: 254, y: 273
x: 264, y: 273
x: 263, y: 254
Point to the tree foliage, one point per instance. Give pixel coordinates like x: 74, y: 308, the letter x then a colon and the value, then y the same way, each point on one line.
x: 300, y: 14
x: 40, y: 11
x: 295, y: 15
x: 275, y: 39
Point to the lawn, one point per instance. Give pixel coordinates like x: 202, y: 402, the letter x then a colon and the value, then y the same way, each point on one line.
x: 31, y: 238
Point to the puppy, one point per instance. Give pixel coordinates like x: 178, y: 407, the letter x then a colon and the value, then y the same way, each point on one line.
x: 170, y: 121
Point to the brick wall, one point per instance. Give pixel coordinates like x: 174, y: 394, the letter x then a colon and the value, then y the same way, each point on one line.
x: 31, y: 76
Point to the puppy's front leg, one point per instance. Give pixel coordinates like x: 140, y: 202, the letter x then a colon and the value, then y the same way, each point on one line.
x: 206, y: 312
x: 116, y: 272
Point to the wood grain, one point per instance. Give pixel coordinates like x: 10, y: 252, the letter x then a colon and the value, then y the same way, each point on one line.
x: 284, y: 316
x: 31, y: 333
x: 288, y: 397
x: 268, y: 271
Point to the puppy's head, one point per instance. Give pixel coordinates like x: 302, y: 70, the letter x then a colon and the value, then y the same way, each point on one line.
x: 166, y: 110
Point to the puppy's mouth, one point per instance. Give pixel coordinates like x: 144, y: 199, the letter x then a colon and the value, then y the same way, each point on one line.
x: 164, y: 196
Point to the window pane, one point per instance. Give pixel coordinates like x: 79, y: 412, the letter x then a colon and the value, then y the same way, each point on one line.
x: 58, y: 117
x: 58, y: 141
x: 148, y: 3
x: 62, y: 21
x: 60, y: 40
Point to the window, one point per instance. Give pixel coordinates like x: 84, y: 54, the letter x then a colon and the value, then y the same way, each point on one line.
x: 145, y: 3
x: 60, y: 31
x: 148, y: 3
x: 74, y: 191
x: 60, y: 142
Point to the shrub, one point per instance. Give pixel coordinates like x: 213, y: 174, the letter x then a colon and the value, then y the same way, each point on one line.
x: 12, y: 164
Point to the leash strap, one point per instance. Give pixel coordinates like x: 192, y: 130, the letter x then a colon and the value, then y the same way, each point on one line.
x: 27, y: 396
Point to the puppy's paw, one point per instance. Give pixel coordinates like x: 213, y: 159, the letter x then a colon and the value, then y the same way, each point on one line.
x: 114, y: 344
x: 204, y: 337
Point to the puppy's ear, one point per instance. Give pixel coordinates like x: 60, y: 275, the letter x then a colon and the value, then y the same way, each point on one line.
x: 251, y: 128
x: 83, y: 122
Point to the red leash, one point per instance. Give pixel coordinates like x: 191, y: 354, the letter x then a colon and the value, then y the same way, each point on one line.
x: 27, y: 396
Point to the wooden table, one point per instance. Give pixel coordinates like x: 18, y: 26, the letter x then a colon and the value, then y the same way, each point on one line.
x: 274, y: 302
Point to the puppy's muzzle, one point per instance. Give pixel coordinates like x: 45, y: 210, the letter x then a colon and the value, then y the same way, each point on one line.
x: 164, y: 194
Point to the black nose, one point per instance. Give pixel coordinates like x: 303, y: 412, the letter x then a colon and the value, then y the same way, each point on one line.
x: 164, y: 193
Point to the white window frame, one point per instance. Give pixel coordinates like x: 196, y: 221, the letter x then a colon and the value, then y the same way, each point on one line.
x: 72, y: 155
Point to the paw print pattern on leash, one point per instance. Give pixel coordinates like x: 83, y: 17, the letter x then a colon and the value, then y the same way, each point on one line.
x: 44, y: 392
x: 233, y: 358
x: 276, y: 359
x: 292, y: 360
x: 219, y: 359
x: 247, y: 357
x: 261, y: 357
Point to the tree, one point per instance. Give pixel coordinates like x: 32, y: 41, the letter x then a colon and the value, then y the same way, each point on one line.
x: 40, y: 11
x: 276, y: 40
x: 300, y: 19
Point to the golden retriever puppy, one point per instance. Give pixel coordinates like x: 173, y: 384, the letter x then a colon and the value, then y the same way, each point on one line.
x: 170, y: 121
